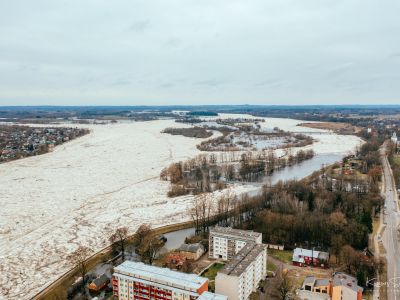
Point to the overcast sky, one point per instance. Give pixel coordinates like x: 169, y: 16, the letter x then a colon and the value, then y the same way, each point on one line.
x: 199, y: 52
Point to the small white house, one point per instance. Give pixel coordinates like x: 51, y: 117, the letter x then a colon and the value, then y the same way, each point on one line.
x: 395, y: 139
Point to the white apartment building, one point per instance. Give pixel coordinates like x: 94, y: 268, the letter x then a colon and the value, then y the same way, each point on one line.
x: 242, y: 274
x: 226, y: 242
x: 137, y: 281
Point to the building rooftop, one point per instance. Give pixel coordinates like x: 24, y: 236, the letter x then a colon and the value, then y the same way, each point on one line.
x: 212, y: 296
x: 99, y: 281
x: 159, y: 275
x: 191, y: 247
x: 299, y: 253
x: 245, y: 234
x: 239, y: 263
x: 309, y: 280
x: 343, y: 279
x: 321, y: 282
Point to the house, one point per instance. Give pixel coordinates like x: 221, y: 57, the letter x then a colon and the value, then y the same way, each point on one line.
x: 242, y: 274
x: 135, y: 280
x: 99, y: 283
x: 315, y: 285
x: 395, y: 139
x: 192, y: 251
x: 341, y: 287
x: 305, y: 257
x: 226, y: 242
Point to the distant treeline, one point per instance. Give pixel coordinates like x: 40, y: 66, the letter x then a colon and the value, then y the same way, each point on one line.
x: 203, y: 113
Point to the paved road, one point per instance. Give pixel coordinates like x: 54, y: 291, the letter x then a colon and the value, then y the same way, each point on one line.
x: 390, y: 238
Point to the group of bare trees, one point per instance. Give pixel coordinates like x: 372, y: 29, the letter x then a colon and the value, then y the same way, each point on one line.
x: 206, y: 173
x: 205, y: 210
x: 225, y: 210
x: 145, y: 240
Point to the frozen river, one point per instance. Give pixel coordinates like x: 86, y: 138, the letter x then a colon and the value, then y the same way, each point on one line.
x: 86, y: 188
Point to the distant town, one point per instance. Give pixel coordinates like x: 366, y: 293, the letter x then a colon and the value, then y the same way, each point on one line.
x: 22, y: 141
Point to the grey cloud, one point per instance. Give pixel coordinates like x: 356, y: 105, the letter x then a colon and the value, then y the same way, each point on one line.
x: 140, y: 26
x: 228, y: 51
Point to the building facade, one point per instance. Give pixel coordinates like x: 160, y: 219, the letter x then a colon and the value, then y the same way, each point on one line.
x: 242, y: 274
x: 192, y: 251
x: 137, y: 281
x: 226, y: 242
x: 305, y: 257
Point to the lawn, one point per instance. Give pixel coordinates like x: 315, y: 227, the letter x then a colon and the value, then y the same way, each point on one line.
x: 270, y: 266
x: 211, y: 273
x: 284, y: 255
x: 397, y: 159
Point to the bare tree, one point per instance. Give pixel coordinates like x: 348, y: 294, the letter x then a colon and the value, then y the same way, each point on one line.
x: 142, y: 232
x: 147, y: 244
x: 223, y: 207
x: 78, y: 260
x: 118, y: 239
x: 200, y: 212
x: 150, y: 248
x: 194, y: 212
x: 282, y: 285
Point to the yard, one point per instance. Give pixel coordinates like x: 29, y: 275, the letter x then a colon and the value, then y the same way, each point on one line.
x: 283, y: 255
x: 211, y: 273
x: 270, y: 266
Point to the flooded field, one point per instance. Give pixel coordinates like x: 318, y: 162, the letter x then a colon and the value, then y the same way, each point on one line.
x: 85, y: 189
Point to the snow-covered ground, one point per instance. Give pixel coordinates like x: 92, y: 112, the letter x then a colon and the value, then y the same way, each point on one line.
x: 73, y: 196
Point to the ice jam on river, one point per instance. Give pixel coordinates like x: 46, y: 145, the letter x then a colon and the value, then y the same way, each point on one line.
x: 73, y: 196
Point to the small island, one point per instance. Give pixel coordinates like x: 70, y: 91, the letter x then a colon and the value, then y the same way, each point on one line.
x: 196, y: 132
